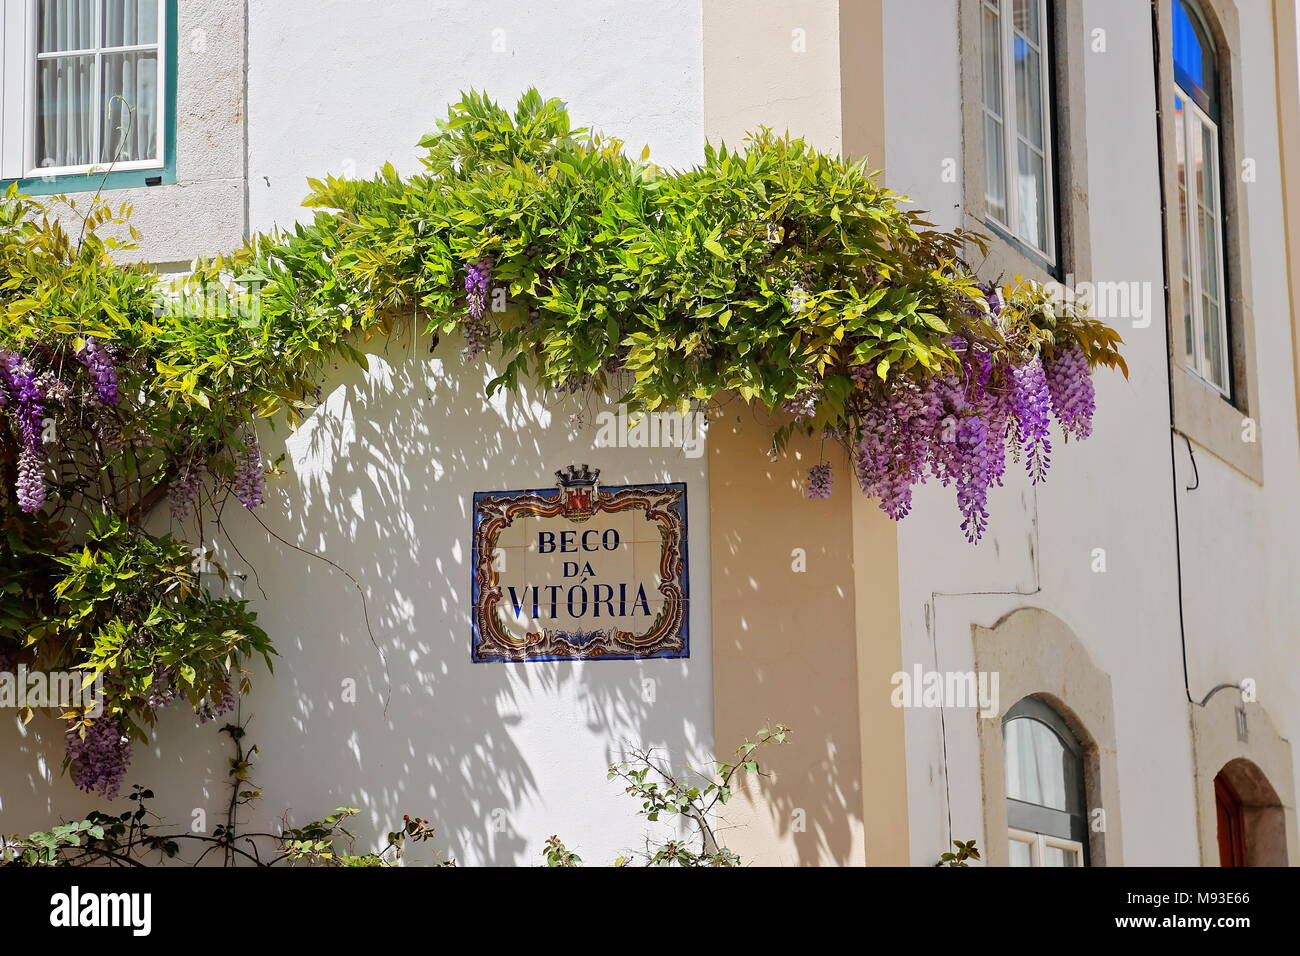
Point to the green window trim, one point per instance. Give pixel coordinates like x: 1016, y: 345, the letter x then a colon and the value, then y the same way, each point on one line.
x: 164, y: 175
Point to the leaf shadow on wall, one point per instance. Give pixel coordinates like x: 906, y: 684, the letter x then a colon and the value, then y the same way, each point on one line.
x: 379, y: 480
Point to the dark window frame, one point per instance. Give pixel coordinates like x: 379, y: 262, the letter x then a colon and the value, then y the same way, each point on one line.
x: 1049, y: 821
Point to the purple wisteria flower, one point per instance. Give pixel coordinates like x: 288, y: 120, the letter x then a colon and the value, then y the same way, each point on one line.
x: 478, y: 332
x: 1069, y: 380
x: 99, y: 756
x: 1030, y: 404
x: 216, y: 703
x: 24, y: 400
x: 802, y: 405
x: 249, y: 483
x: 819, y: 481
x: 184, y: 489
x: 101, y: 362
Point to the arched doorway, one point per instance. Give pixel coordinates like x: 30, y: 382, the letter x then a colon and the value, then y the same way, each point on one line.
x: 1231, y: 826
x: 1250, y: 820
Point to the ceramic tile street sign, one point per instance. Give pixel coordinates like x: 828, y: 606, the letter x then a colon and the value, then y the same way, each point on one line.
x: 580, y: 571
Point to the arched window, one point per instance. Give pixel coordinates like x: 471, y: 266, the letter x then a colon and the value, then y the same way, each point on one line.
x: 1197, y: 120
x: 1045, y: 802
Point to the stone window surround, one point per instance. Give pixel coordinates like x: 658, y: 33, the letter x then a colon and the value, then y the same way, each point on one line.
x: 1263, y: 760
x: 1200, y: 412
x: 1036, y: 654
x: 211, y: 141
x: 16, y: 141
x: 1006, y: 256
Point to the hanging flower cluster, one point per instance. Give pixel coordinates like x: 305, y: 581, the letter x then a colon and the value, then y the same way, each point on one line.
x: 249, y: 482
x: 23, y: 399
x: 819, y: 481
x: 31, y: 384
x: 100, y: 753
x: 958, y: 426
x: 221, y: 701
x: 100, y: 362
x: 477, y: 329
x: 1069, y: 381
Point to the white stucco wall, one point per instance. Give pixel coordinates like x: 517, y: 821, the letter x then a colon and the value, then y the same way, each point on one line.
x: 1113, y: 491
x: 380, y: 480
x: 1239, y: 571
x: 341, y: 87
x: 497, y: 756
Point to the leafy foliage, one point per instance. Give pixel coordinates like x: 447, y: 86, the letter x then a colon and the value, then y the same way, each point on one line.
x: 790, y: 277
x: 665, y: 794
x: 767, y: 271
x: 965, y: 852
x: 88, y: 347
x: 129, y: 607
x: 133, y: 837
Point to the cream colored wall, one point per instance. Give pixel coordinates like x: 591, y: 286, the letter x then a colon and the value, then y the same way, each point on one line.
x: 879, y: 656
x: 772, y: 64
x: 1286, y: 37
x: 784, y: 648
x: 813, y: 649
x: 1113, y: 495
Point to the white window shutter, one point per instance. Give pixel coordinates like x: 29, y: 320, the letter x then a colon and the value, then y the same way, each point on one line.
x: 13, y: 87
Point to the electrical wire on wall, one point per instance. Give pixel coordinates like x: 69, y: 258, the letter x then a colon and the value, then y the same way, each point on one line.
x: 1174, y: 433
x: 932, y: 628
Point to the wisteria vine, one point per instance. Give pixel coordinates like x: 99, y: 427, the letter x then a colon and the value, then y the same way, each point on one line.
x: 958, y: 426
x: 62, y: 401
x: 784, y: 276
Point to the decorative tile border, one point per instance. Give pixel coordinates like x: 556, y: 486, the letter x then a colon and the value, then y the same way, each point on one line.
x: 580, y: 572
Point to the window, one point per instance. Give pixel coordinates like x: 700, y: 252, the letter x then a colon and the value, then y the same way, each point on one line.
x: 1044, y: 777
x: 1200, y: 207
x: 1016, y: 106
x: 87, y: 90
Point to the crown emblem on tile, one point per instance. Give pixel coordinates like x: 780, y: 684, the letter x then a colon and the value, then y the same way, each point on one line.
x: 577, y: 485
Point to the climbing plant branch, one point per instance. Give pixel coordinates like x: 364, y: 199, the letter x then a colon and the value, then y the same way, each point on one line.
x: 788, y: 278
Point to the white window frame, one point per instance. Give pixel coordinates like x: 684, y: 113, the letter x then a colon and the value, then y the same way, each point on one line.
x: 1190, y: 125
x: 1038, y: 843
x: 1009, y: 120
x: 24, y: 97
